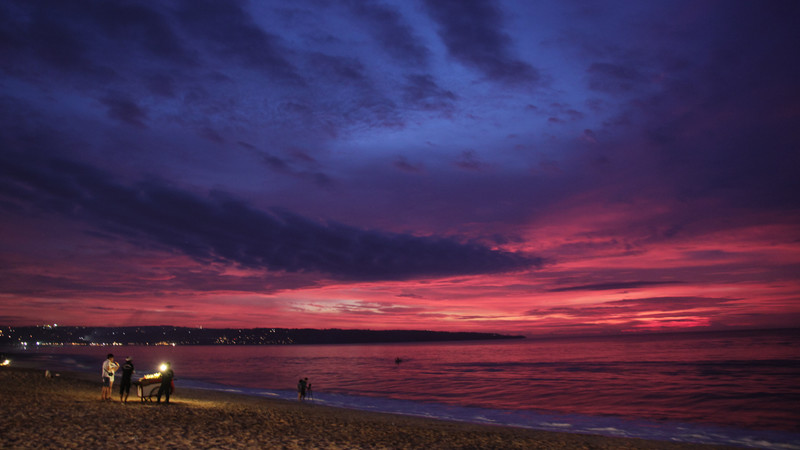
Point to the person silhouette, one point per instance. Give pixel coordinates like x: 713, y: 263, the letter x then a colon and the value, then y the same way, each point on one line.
x: 125, y: 383
x: 166, y: 383
x: 302, y: 385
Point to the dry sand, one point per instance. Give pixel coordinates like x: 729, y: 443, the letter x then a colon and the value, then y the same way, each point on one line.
x: 66, y: 412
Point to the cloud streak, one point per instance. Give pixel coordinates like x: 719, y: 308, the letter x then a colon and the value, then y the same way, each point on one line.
x: 615, y: 286
x: 472, y: 31
x: 221, y: 228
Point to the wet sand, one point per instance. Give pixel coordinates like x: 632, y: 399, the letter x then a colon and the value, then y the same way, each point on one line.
x: 66, y: 412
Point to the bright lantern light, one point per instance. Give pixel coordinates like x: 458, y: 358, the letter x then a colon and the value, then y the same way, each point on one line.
x: 6, y: 362
x: 162, y: 367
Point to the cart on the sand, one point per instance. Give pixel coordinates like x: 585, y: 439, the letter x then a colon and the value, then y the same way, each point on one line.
x: 147, y: 387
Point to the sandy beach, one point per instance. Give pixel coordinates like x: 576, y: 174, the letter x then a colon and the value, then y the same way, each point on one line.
x: 66, y: 412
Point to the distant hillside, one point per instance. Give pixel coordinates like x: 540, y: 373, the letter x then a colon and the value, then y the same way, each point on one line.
x: 166, y: 335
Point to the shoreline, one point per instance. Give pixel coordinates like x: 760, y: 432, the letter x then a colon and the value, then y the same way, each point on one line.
x: 66, y: 411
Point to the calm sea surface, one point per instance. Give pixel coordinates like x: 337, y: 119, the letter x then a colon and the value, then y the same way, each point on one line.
x: 659, y: 385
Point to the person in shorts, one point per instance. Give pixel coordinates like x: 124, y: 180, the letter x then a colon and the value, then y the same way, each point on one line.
x: 108, y: 370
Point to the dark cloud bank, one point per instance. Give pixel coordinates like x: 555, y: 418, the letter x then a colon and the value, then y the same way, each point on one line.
x: 472, y: 32
x: 219, y: 227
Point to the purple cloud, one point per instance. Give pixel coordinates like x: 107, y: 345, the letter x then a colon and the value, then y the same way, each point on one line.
x: 472, y: 32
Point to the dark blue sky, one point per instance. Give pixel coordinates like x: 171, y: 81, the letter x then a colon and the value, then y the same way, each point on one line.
x: 513, y: 165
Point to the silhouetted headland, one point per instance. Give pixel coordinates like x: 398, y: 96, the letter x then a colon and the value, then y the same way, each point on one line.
x: 168, y: 335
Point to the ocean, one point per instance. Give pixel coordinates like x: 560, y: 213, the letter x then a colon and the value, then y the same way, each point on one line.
x: 736, y: 388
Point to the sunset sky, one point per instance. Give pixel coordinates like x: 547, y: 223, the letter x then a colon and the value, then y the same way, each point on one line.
x: 505, y: 166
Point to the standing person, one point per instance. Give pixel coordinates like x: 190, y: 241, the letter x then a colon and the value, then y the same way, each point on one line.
x: 125, y: 384
x: 166, y: 383
x: 301, y: 389
x: 309, y: 392
x: 109, y: 368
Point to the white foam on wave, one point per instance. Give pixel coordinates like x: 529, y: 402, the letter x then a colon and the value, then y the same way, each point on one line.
x: 481, y: 419
x: 609, y: 431
x: 556, y: 425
